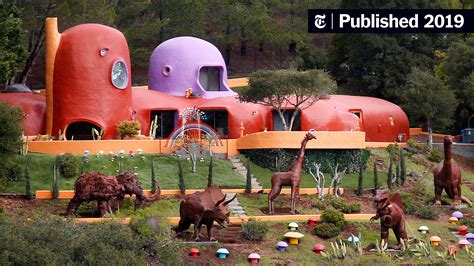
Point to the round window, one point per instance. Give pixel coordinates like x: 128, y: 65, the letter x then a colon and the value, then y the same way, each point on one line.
x: 120, y: 75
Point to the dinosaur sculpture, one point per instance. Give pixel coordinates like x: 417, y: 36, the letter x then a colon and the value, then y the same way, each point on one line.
x: 291, y: 178
x: 447, y: 176
x: 391, y: 215
x: 203, y: 208
x: 107, y: 191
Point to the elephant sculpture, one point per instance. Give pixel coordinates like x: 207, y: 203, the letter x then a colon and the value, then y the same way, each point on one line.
x: 203, y: 208
x: 108, y: 191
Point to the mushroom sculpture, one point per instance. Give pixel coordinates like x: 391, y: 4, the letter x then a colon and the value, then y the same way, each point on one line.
x: 462, y: 230
x: 353, y: 240
x: 453, y: 250
x: 453, y: 220
x: 222, y: 253
x: 318, y: 248
x: 463, y: 243
x: 312, y: 221
x: 293, y: 226
x: 282, y: 245
x: 194, y: 252
x: 458, y: 215
x: 424, y: 229
x: 254, y: 258
x: 435, y: 241
x: 470, y: 238
x: 293, y: 237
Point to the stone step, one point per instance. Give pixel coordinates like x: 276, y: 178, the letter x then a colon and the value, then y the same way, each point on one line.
x: 234, y: 160
x: 241, y: 168
x: 239, y: 164
x: 239, y: 213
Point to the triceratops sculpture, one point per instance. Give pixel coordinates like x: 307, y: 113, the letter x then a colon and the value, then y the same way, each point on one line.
x: 107, y: 190
x: 203, y: 208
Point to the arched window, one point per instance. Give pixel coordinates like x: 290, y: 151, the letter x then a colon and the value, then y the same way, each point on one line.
x: 80, y: 130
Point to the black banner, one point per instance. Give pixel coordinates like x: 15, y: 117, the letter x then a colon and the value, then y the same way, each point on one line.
x: 391, y: 20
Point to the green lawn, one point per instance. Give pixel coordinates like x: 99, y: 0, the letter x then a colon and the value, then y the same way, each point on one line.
x: 41, y: 171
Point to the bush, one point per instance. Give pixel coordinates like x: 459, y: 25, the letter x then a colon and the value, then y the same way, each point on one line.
x: 10, y: 143
x: 11, y: 168
x: 393, y: 150
x: 68, y: 165
x: 128, y: 128
x: 341, y: 204
x: 468, y: 221
x: 50, y: 240
x: 435, y: 156
x: 326, y: 230
x: 428, y: 212
x: 350, y: 159
x: 254, y: 230
x: 318, y: 204
x: 334, y: 217
x: 411, y: 206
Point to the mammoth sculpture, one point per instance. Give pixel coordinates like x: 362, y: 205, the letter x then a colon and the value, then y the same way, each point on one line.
x: 107, y: 190
x: 391, y: 215
x: 203, y: 208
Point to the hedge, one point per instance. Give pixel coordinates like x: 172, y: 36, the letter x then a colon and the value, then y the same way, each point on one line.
x: 280, y: 159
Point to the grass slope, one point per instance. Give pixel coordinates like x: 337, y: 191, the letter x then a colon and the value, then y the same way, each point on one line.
x: 41, y: 171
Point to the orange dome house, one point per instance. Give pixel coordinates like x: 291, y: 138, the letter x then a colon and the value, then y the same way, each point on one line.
x: 91, y: 85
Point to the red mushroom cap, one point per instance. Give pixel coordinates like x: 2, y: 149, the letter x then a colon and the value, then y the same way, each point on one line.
x: 312, y: 219
x: 194, y: 250
x: 318, y: 247
x: 462, y: 228
x: 452, y: 247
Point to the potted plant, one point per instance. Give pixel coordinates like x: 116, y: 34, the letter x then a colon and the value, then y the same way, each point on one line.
x: 128, y: 128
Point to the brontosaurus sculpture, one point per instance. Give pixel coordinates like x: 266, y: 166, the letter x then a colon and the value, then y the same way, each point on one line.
x: 291, y: 178
x: 447, y: 176
x: 391, y: 215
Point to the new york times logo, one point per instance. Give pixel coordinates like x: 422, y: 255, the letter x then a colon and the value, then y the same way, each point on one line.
x: 319, y: 21
x: 390, y: 20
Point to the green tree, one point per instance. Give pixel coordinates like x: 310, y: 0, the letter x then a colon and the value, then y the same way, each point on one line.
x: 10, y: 143
x: 12, y: 50
x: 360, y: 185
x: 28, y: 191
x: 390, y: 172
x: 181, y: 185
x: 282, y: 88
x: 403, y: 168
x: 248, y: 183
x: 153, y: 178
x: 376, y: 179
x: 69, y: 12
x: 426, y: 99
x: 377, y: 64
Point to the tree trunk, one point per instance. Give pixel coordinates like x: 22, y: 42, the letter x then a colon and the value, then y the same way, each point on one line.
x: 293, y: 117
x: 243, y: 42
x: 283, y: 121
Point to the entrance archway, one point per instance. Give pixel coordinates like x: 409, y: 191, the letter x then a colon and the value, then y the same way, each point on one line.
x: 80, y: 130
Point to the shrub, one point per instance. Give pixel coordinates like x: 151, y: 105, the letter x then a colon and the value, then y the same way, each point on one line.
x: 349, y: 159
x: 128, y: 128
x: 11, y: 168
x: 334, y: 217
x: 326, y: 230
x: 411, y: 206
x: 467, y: 221
x: 49, y: 240
x: 10, y: 143
x: 428, y: 212
x: 341, y: 204
x: 318, y: 204
x: 435, y: 156
x: 254, y: 230
x: 392, y: 150
x: 68, y: 165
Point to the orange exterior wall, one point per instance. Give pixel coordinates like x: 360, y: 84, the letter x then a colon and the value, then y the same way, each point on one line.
x: 148, y: 146
x: 69, y: 194
x: 292, y: 140
x: 83, y: 90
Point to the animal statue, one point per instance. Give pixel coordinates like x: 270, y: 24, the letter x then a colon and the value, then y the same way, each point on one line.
x: 107, y: 191
x: 391, y: 215
x: 203, y: 208
x: 291, y: 178
x: 447, y: 176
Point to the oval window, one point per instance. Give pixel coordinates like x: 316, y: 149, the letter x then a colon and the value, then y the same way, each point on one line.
x: 120, y: 75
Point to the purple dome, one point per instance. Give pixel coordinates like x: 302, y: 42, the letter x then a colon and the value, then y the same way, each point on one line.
x: 188, y: 62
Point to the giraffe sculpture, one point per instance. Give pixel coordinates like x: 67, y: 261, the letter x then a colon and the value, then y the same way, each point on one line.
x: 291, y: 178
x: 447, y: 177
